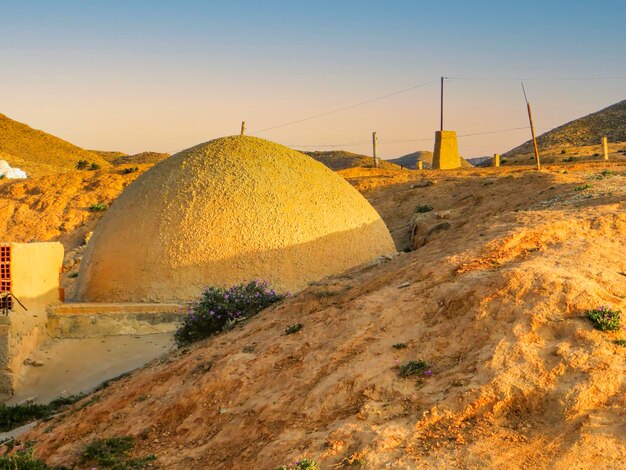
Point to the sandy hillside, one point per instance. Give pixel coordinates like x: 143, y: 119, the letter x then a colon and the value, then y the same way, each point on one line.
x: 568, y: 155
x: 508, y: 262
x: 38, y: 152
x: 609, y: 122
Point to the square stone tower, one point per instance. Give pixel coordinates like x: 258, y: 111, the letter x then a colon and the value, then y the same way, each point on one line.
x: 446, y: 155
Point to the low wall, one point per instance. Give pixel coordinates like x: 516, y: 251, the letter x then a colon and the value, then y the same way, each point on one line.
x: 88, y: 320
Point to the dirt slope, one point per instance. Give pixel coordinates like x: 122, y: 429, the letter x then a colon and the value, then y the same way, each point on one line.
x: 37, y: 152
x: 569, y: 155
x: 494, y: 301
x: 609, y: 122
x: 55, y: 207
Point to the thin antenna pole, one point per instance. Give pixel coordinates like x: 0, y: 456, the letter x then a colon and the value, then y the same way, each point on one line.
x: 243, y: 127
x: 441, y: 107
x: 532, y: 129
x: 374, y: 140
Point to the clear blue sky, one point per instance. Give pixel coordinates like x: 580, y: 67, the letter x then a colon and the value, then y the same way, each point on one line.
x: 165, y: 75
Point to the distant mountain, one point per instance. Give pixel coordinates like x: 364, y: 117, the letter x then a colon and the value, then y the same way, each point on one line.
x: 410, y: 160
x: 340, y: 160
x: 37, y: 152
x: 588, y: 130
x: 480, y: 161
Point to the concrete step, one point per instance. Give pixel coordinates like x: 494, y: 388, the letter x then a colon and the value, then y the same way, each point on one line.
x: 88, y: 320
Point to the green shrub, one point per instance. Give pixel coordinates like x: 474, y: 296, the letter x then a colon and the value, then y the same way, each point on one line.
x: 290, y: 330
x: 583, y: 187
x: 399, y: 346
x: 415, y: 368
x: 421, y: 208
x: 112, y: 452
x: 23, y: 459
x: 218, y: 309
x: 13, y: 416
x: 98, y: 207
x: 128, y: 171
x: 563, y: 151
x: 82, y: 165
x: 94, y: 166
x: 569, y: 159
x: 304, y: 464
x: 620, y: 342
x: 605, y: 319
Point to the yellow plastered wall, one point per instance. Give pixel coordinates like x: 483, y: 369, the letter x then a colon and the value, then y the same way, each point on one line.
x: 446, y: 154
x: 35, y: 269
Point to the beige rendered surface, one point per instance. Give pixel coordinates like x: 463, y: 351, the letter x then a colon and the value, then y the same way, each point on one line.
x: 226, y: 211
x: 89, y: 320
x: 446, y: 155
x: 72, y: 366
x: 35, y: 269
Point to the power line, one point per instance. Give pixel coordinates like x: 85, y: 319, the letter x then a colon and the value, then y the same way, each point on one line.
x: 403, y: 141
x: 535, y: 78
x: 345, y: 107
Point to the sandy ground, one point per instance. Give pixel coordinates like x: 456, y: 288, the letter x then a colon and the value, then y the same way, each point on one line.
x: 72, y: 366
x: 494, y: 298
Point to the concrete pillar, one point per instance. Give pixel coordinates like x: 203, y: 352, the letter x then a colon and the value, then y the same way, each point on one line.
x: 605, y: 147
x: 446, y: 155
x: 420, y: 165
x: 496, y: 159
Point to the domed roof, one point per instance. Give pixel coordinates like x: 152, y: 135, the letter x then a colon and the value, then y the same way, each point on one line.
x: 228, y: 211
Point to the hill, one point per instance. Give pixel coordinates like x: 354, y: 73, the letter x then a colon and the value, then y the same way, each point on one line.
x: 492, y: 296
x: 609, y: 122
x: 143, y: 158
x: 37, y: 152
x: 341, y: 160
x: 410, y: 160
x: 109, y: 156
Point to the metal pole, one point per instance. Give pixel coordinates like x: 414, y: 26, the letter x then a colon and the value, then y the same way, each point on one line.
x: 374, y: 139
x: 532, y: 129
x: 243, y: 127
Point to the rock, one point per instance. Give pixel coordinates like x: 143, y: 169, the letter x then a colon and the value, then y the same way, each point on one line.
x: 423, y: 184
x: 33, y: 363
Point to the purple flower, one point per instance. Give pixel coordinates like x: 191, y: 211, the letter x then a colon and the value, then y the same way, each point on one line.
x: 428, y: 373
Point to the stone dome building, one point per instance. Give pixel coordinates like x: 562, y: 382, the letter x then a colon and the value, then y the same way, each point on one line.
x: 228, y: 211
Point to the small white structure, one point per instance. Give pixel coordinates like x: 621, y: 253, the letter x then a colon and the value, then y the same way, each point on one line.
x: 7, y: 171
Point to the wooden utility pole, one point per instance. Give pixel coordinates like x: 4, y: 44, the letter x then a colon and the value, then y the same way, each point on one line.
x: 243, y: 127
x: 605, y: 147
x: 532, y: 129
x: 374, y: 139
x: 441, y: 106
